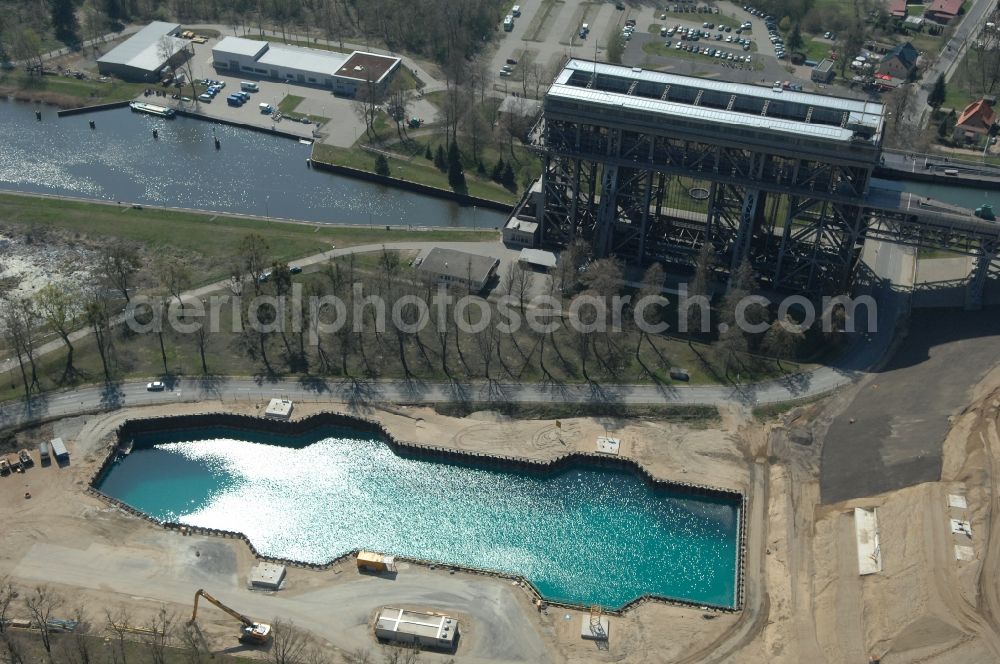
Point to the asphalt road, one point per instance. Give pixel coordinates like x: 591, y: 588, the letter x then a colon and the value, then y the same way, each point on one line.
x: 891, y: 434
x: 362, y: 394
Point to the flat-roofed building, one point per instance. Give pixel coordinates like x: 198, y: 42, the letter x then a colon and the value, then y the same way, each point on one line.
x: 363, y: 69
x: 343, y: 73
x: 450, y: 266
x: 520, y: 232
x: 823, y: 72
x: 428, y: 630
x: 238, y: 54
x: 538, y: 258
x: 145, y: 55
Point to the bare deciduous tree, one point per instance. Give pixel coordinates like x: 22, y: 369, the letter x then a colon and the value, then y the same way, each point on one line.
x: 20, y: 320
x: 118, y: 623
x: 158, y: 636
x: 118, y: 263
x: 59, y: 306
x: 98, y: 314
x: 287, y: 643
x: 78, y: 648
x: 8, y: 593
x: 42, y: 602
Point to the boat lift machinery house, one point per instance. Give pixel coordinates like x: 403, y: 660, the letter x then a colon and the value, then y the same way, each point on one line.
x: 648, y: 166
x: 251, y: 632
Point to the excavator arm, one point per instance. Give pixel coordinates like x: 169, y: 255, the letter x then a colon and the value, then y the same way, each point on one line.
x: 252, y: 631
x: 235, y: 614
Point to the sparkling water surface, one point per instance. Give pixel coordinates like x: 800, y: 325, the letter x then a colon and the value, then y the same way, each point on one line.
x: 254, y: 172
x: 584, y: 535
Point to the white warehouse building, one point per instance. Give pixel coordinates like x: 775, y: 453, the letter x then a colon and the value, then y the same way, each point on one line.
x: 147, y: 54
x: 342, y: 73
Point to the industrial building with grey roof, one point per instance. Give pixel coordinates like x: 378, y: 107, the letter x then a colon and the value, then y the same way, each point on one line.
x: 747, y: 110
x: 344, y: 73
x: 144, y: 55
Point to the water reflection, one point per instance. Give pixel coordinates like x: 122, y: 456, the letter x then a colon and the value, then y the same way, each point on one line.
x: 253, y: 172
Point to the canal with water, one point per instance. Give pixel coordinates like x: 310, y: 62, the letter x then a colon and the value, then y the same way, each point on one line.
x: 253, y: 172
x: 584, y: 535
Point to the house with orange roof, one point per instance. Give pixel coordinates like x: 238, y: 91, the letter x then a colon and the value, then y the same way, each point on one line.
x: 975, y: 122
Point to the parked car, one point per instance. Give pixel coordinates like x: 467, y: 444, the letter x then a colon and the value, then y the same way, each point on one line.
x: 205, y: 97
x: 155, y: 386
x: 511, y: 61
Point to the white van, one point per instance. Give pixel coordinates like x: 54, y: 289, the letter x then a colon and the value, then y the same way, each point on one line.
x: 249, y: 87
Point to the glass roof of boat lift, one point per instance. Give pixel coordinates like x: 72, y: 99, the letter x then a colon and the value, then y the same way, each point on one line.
x: 805, y: 114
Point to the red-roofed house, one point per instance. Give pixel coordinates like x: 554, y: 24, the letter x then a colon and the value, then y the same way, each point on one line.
x: 975, y: 121
x: 943, y: 11
x: 897, y: 8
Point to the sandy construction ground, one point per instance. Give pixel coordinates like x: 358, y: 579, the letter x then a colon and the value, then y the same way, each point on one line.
x: 101, y: 557
x: 805, y: 600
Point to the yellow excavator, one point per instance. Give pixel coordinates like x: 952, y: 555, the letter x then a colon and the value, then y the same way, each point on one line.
x: 252, y: 632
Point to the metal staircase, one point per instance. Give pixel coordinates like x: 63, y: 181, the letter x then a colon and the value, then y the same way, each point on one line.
x: 596, y: 626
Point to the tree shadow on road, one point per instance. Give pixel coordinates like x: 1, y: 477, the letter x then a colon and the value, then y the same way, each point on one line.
x: 112, y: 396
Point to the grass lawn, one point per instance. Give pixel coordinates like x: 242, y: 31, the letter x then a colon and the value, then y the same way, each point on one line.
x: 212, y: 236
x: 68, y: 91
x: 415, y: 169
x: 289, y: 103
x: 815, y: 49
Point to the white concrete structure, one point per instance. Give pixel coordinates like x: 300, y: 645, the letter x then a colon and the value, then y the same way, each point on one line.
x: 433, y: 630
x: 607, y: 445
x: 343, y: 73
x: 866, y: 532
x: 520, y: 232
x: 957, y: 502
x: 267, y: 576
x: 279, y: 409
x: 144, y: 55
x: 537, y: 258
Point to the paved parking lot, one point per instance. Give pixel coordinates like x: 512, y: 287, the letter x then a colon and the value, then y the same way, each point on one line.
x: 547, y: 33
x: 344, y: 126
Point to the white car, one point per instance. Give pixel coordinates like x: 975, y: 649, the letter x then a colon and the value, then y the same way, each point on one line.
x: 155, y: 386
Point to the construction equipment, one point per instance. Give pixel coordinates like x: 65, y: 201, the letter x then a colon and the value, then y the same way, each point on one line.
x: 252, y: 632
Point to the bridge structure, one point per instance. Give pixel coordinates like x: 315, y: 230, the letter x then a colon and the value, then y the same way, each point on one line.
x: 649, y: 166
